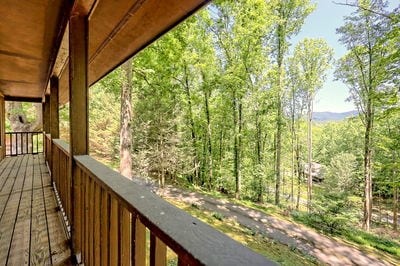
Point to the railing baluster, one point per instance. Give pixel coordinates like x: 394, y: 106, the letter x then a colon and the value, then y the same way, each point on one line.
x: 96, y: 240
x: 158, y: 251
x: 19, y: 143
x: 86, y: 217
x: 139, y: 242
x: 105, y: 214
x: 91, y: 222
x: 16, y: 144
x: 114, y: 258
x: 124, y: 236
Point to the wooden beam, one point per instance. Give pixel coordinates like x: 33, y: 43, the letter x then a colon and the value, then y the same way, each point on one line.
x: 22, y: 99
x: 78, y: 114
x: 54, y: 120
x: 62, y: 24
x: 46, y: 114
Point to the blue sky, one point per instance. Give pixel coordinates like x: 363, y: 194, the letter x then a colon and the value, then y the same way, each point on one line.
x: 322, y: 23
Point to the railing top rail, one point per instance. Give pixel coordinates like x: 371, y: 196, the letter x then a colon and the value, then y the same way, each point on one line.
x: 62, y: 145
x: 185, y: 234
x: 27, y: 132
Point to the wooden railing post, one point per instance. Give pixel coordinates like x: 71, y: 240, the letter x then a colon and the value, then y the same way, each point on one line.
x: 54, y: 120
x: 46, y: 114
x: 78, y: 111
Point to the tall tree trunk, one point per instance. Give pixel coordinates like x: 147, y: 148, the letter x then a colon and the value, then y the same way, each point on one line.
x: 260, y: 190
x: 278, y: 145
x: 309, y: 148
x: 125, y: 165
x: 209, y: 139
x: 367, y: 179
x: 293, y: 135
x: 192, y: 127
x: 298, y: 169
x: 368, y: 166
x: 237, y: 120
x: 395, y: 205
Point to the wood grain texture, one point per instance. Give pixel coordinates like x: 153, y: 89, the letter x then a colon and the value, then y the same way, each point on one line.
x: 60, y: 251
x: 158, y: 251
x: 54, y: 118
x: 26, y: 226
x: 104, y: 226
x: 19, y: 248
x: 113, y: 244
x: 139, y: 243
x: 40, y: 251
x: 192, y: 240
x: 124, y: 236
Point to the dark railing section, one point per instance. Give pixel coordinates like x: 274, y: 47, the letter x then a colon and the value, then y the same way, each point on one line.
x: 18, y: 143
x: 118, y: 222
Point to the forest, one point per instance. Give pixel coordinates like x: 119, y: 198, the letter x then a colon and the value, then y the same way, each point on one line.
x: 224, y: 104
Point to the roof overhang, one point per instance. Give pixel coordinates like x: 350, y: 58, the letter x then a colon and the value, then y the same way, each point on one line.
x: 34, y: 39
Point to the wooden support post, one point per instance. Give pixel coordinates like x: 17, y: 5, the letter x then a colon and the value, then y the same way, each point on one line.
x: 46, y: 114
x: 54, y: 123
x: 78, y: 113
x: 2, y: 127
x: 46, y: 123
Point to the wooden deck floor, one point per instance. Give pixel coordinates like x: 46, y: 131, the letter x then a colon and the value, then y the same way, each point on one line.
x: 31, y: 231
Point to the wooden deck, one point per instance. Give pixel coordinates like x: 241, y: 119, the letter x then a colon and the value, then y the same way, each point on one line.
x: 31, y: 231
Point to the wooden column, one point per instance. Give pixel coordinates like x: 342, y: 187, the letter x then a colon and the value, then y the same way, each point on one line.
x: 78, y: 113
x: 54, y: 122
x: 2, y: 127
x: 46, y: 114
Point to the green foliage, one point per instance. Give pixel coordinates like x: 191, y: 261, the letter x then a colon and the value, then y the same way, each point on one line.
x: 326, y: 215
x: 218, y: 216
x: 370, y: 240
x: 342, y: 175
x: 104, y: 128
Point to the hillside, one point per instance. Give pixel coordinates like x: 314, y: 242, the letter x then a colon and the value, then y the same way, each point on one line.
x: 332, y: 116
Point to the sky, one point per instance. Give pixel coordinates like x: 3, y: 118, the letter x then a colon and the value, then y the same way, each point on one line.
x: 322, y: 23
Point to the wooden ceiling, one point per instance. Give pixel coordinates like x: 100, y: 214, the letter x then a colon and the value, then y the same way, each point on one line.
x: 34, y: 39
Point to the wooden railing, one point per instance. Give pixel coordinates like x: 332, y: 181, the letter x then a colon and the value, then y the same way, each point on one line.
x: 61, y: 177
x: 18, y: 143
x: 114, y: 217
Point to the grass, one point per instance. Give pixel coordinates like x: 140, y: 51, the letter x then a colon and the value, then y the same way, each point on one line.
x: 272, y: 250
x: 369, y: 240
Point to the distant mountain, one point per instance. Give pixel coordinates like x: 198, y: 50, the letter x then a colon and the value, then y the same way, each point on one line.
x: 331, y: 116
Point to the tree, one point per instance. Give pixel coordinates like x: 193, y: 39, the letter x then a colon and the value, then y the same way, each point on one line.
x: 311, y: 60
x: 364, y: 70
x: 125, y: 136
x: 239, y: 33
x: 290, y: 16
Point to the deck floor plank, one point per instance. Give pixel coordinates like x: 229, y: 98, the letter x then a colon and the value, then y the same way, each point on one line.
x: 60, y: 252
x: 9, y: 180
x: 11, y: 203
x: 31, y: 231
x: 19, y: 249
x: 40, y: 253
